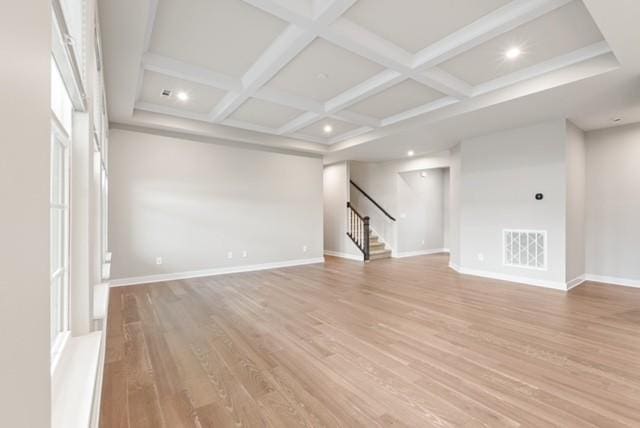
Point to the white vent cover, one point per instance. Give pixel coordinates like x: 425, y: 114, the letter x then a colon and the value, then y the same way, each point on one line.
x: 525, y: 248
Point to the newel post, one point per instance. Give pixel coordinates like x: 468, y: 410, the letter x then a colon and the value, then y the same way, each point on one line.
x: 366, y: 238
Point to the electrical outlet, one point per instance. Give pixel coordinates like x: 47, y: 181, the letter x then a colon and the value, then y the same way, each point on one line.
x: 481, y: 257
x: 304, y: 248
x: 244, y: 254
x: 229, y: 254
x: 158, y: 260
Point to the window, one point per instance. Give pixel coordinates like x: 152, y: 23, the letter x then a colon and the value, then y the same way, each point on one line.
x: 62, y: 113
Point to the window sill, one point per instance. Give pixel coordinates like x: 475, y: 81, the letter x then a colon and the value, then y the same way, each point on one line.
x: 74, y: 381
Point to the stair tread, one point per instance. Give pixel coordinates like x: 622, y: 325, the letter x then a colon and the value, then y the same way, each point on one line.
x: 380, y: 251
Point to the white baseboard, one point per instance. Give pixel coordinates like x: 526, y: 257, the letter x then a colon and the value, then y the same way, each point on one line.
x: 626, y: 282
x: 575, y: 282
x: 419, y: 253
x: 210, y: 272
x: 510, y: 278
x: 344, y: 255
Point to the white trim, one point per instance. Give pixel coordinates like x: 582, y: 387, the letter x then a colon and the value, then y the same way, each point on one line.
x: 511, y: 278
x: 625, y: 282
x: 344, y: 255
x: 121, y: 282
x: 97, y: 390
x: 419, y: 253
x: 575, y: 282
x: 74, y: 382
x: 57, y: 349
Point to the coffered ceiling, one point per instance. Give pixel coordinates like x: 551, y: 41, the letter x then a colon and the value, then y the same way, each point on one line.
x: 334, y: 71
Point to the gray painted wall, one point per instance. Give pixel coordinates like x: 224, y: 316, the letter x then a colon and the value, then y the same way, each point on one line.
x: 500, y: 175
x: 192, y: 202
x: 613, y: 202
x: 576, y: 193
x: 455, y: 173
x: 421, y: 206
x: 25, y: 54
x: 335, y: 197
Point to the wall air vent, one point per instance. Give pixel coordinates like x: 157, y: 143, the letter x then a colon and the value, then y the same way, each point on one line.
x: 166, y: 92
x: 525, y: 248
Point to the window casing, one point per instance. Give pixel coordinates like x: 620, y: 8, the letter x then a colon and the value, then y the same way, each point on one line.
x: 62, y: 114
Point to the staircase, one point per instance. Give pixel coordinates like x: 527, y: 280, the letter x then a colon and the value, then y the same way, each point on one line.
x: 377, y: 248
x: 360, y: 232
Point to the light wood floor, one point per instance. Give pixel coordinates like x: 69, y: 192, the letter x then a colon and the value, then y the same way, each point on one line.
x: 398, y: 342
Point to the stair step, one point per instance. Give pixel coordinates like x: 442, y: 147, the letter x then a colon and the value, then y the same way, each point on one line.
x: 380, y: 254
x: 375, y: 246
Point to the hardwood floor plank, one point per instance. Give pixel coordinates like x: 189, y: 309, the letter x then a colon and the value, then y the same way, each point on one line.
x: 391, y: 343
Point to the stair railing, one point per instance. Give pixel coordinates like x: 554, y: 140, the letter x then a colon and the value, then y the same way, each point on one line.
x: 358, y: 230
x: 366, y: 195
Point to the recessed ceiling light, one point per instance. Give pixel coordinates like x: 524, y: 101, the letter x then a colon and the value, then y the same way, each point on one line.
x: 322, y: 76
x: 512, y: 53
x: 182, y: 96
x: 423, y: 174
x: 327, y: 129
x: 410, y: 153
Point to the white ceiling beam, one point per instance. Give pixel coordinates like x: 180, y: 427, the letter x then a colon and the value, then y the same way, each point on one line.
x: 575, y: 57
x: 250, y: 126
x: 278, y: 96
x: 350, y: 134
x: 305, y: 119
x: 327, y: 11
x: 356, y: 118
x: 160, y: 109
x: 310, y: 138
x: 151, y: 19
x: 444, y: 82
x: 282, y: 50
x: 283, y: 11
x: 288, y: 45
x: 192, y: 73
x: 363, y: 42
x: 506, y: 18
x: 417, y: 111
x: 371, y: 86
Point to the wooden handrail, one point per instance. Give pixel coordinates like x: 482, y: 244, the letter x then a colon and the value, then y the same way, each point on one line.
x: 366, y: 195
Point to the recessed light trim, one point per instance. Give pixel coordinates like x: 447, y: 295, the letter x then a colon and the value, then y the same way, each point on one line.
x: 328, y: 129
x: 182, y: 96
x: 513, y: 53
x: 411, y: 153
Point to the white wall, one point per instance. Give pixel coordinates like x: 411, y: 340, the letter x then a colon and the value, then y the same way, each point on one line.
x: 421, y: 207
x: 335, y: 197
x: 446, y: 208
x: 576, y: 193
x: 500, y: 175
x: 613, y: 202
x: 455, y: 172
x: 192, y: 202
x: 25, y: 54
